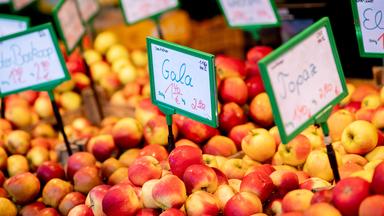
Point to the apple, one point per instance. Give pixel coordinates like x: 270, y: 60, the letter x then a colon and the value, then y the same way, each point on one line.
x: 255, y: 86
x: 127, y: 74
x: 48, y: 212
x: 143, y: 169
x: 256, y: 53
x: 172, y: 212
x: 169, y: 192
x: 37, y: 156
x: 297, y: 200
x: 376, y: 154
x: 110, y: 82
x: 7, y: 207
x: 70, y: 100
x: 260, y: 110
x: 129, y: 156
x: 243, y: 203
x: 201, y: 203
x: 354, y: 158
x: 320, y: 209
x: 69, y: 201
x: 231, y: 115
x: 49, y: 170
x: 146, y: 195
x: 121, y: 199
x: 227, y: 93
x: 378, y: 179
x: 82, y: 81
x: 349, y: 193
x: 54, y: 191
x: 377, y: 118
x: 118, y: 176
x: 109, y: 166
x: 284, y: 181
x: 316, y: 137
x: 250, y: 162
x: 17, y: 164
x: 99, y: 70
x: 359, y: 137
x: 104, y: 41
x: 195, y: 131
x: 275, y: 207
x: 44, y: 130
x: 221, y: 177
x: 296, y: 151
x: 95, y: 197
x: 102, y: 147
x: 157, y: 151
x: 182, y: 157
x: 86, y: 178
x: 372, y: 165
x: 365, y: 114
x: 337, y: 122
x: 18, y: 142
x: 145, y: 110
x: 147, y: 212
x: 364, y: 174
x: 139, y: 57
x: 220, y: 145
x: 314, y: 184
x: 317, y: 165
x: 238, y: 132
x: 31, y: 209
x: 259, y: 145
x: 19, y: 116
x: 22, y: 188
x: 81, y: 210
x: 234, y: 168
x: 156, y: 131
x: 372, y: 205
x: 227, y: 66
x: 43, y: 107
x: 29, y: 95
x: 351, y: 88
x: 259, y: 183
x: 91, y: 56
x: 116, y: 51
x: 371, y: 101
x: 77, y: 161
x: 3, y: 159
x: 200, y: 177
x: 223, y: 193
x: 127, y: 133
x: 322, y: 196
x: 363, y: 90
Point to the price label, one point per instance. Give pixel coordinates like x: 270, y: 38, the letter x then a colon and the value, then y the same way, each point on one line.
x: 88, y: 9
x: 20, y: 4
x: 4, y: 1
x: 70, y: 26
x: 250, y: 13
x: 10, y: 24
x: 303, y: 77
x: 135, y: 11
x: 369, y: 25
x: 31, y: 60
x: 183, y: 79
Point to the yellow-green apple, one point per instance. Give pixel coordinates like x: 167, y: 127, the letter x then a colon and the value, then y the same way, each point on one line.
x: 95, y: 197
x: 182, y: 157
x: 157, y: 151
x: 259, y: 183
x: 235, y: 184
x: 99, y: 70
x: 322, y: 196
x: 320, y: 209
x: 86, y: 178
x: 49, y: 170
x: 243, y: 203
x: 277, y: 160
x: 119, y: 175
x: 227, y: 66
x: 378, y: 179
x: 372, y: 164
x: 372, y: 205
x: 110, y: 82
x: 31, y: 209
x: 296, y: 151
x: 259, y: 145
x: 338, y: 121
x: 143, y: 169
x: 338, y: 147
x: 54, y: 191
x: 146, y: 194
x: 127, y: 133
x: 80, y: 210
x: 17, y: 164
x: 316, y: 138
x: 349, y: 193
x: 284, y: 181
x: 234, y: 168
x: 255, y: 86
x: 43, y: 107
x: 77, y: 161
x: 238, y: 132
x: 22, y: 188
x: 129, y: 156
x: 91, y: 56
x: 227, y: 93
x: 7, y: 207
x: 250, y: 162
x: 371, y: 101
x: 220, y: 145
x: 377, y: 118
x: 121, y: 199
x: 351, y: 88
x: 20, y: 116
x: 200, y: 177
x: 127, y: 74
x: 223, y: 194
x: 317, y: 165
x: 260, y: 110
x: 363, y: 90
x: 80, y: 123
x: 156, y: 131
x: 376, y: 154
x: 139, y: 57
x: 275, y: 207
x: 231, y: 115
x: 359, y: 137
x: 201, y: 203
x: 37, y: 156
x: 82, y: 81
x: 70, y: 100
x: 120, y: 63
x: 44, y: 130
x: 116, y: 51
x: 297, y: 200
x: 210, y: 160
x: 104, y: 41
x: 169, y: 192
x: 69, y: 201
x: 172, y: 212
x: 364, y: 174
x: 365, y: 114
x: 314, y: 184
x: 48, y: 212
x: 221, y: 161
x: 18, y: 142
x: 102, y: 147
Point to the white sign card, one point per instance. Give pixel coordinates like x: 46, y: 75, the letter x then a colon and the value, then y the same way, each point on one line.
x: 135, y: 11
x: 30, y: 60
x: 88, y: 9
x: 4, y: 1
x: 20, y: 4
x: 243, y: 13
x: 12, y: 24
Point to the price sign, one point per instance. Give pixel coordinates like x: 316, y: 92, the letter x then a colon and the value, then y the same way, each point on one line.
x: 88, y: 9
x: 20, y: 4
x: 31, y: 60
x: 183, y: 79
x: 135, y: 11
x: 4, y: 1
x: 369, y: 25
x: 250, y: 13
x: 303, y: 78
x: 10, y: 24
x: 70, y: 26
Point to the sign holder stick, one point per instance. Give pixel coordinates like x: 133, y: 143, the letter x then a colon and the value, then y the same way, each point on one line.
x: 59, y: 121
x: 2, y: 107
x: 158, y: 27
x: 322, y: 120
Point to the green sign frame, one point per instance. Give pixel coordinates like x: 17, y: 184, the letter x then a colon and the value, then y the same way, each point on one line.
x: 212, y: 82
x: 254, y: 26
x: 359, y: 34
x: 15, y: 9
x: 47, y: 85
x: 25, y: 19
x: 55, y: 14
x: 90, y: 20
x: 153, y: 16
x: 285, y: 48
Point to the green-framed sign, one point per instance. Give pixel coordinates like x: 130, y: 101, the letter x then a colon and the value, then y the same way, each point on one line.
x: 183, y: 80
x: 135, y: 11
x: 88, y: 9
x: 303, y: 78
x: 10, y: 24
x: 369, y: 25
x: 250, y: 14
x: 31, y: 60
x: 20, y: 4
x: 4, y: 2
x: 69, y: 23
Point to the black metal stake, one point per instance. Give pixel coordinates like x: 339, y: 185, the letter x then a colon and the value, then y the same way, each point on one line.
x: 158, y: 28
x: 3, y: 107
x: 330, y: 152
x: 171, y: 138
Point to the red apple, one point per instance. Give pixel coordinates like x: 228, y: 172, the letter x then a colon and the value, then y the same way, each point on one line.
x: 243, y: 203
x: 349, y: 193
x: 172, y: 212
x: 121, y: 199
x: 380, y: 138
x: 32, y: 209
x: 82, y: 81
x: 228, y: 66
x: 231, y: 115
x: 143, y: 169
x: 127, y: 133
x: 255, y: 54
x: 22, y: 188
x: 221, y: 177
x: 260, y: 110
x: 200, y: 177
x: 77, y: 161
x: 69, y: 201
x: 223, y: 194
x: 54, y: 191
x: 322, y: 196
x: 201, y: 203
x: 182, y: 157
x: 255, y: 86
x: 195, y: 131
x: 372, y: 205
x: 364, y: 114
x: 49, y: 170
x: 227, y: 93
x: 48, y: 212
x: 220, y: 145
x: 258, y: 183
x: 169, y: 192
x: 378, y: 179
x: 102, y: 147
x: 284, y: 181
x: 95, y: 197
x: 147, y: 212
x: 238, y: 132
x: 80, y: 210
x: 156, y: 131
x: 86, y: 178
x: 157, y: 151
x: 29, y: 96
x: 353, y: 106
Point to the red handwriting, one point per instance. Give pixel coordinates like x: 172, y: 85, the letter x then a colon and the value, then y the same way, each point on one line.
x: 325, y: 90
x: 301, y: 111
x: 42, y: 70
x: 198, y: 104
x: 16, y: 75
x: 175, y: 92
